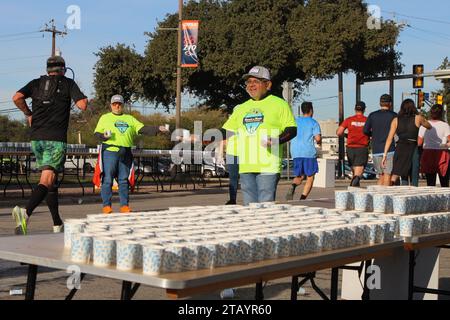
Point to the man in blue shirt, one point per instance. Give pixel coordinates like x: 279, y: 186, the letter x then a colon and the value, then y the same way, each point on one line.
x: 377, y: 127
x: 304, y: 152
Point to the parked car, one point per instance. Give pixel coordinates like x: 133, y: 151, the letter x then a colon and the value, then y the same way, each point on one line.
x: 147, y: 166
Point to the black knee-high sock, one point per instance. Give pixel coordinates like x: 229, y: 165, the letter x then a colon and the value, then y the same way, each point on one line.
x: 53, y: 206
x: 37, y: 197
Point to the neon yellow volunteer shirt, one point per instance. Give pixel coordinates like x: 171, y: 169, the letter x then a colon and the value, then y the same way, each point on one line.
x: 253, y: 122
x: 232, y: 146
x: 124, y: 129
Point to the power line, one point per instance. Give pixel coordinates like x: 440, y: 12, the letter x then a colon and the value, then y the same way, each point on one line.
x: 426, y: 39
x: 19, y: 39
x: 23, y: 58
x: 440, y: 34
x: 17, y: 34
x: 418, y: 18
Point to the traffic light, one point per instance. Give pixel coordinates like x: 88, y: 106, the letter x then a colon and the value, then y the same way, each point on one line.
x: 418, y: 82
x: 420, y: 99
x: 440, y: 99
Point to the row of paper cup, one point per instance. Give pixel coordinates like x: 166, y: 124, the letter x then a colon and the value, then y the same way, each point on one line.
x: 129, y: 252
x: 258, y: 226
x: 392, y: 203
x: 415, y: 225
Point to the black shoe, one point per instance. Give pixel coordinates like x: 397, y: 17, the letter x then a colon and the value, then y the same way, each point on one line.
x: 290, y: 193
x: 356, y: 182
x: 230, y: 203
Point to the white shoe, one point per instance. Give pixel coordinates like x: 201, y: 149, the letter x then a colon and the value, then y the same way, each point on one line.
x: 227, y: 294
x: 58, y: 229
x: 21, y: 218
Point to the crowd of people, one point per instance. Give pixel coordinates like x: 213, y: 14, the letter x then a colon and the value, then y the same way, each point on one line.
x: 254, y: 135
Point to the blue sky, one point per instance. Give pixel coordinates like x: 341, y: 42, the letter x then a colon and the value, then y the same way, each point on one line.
x: 22, y: 57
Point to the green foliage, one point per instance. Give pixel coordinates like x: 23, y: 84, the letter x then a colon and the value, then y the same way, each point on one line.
x: 117, y: 72
x: 446, y: 86
x: 13, y: 130
x: 297, y: 40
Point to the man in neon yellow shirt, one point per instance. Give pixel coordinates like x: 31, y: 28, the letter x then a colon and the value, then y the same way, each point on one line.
x: 117, y: 132
x: 261, y: 125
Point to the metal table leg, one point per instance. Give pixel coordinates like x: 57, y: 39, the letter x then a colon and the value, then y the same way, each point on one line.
x: 334, y: 283
x: 31, y: 282
x: 259, y: 294
x: 412, y: 264
x: 294, y: 288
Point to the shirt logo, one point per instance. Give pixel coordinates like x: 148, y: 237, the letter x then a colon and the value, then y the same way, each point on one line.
x: 122, y: 126
x: 253, y: 120
x: 358, y: 124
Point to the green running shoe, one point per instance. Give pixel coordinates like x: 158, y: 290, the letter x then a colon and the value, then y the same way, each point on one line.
x: 21, y: 218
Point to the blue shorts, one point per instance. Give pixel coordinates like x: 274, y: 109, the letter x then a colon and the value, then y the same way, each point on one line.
x: 305, y: 167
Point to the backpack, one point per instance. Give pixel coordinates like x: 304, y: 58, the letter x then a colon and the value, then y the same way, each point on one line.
x: 45, y: 95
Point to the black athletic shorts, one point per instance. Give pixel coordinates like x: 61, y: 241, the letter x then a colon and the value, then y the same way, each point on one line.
x: 358, y: 157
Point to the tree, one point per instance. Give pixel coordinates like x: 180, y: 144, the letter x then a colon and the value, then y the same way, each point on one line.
x: 13, y: 130
x: 297, y: 40
x: 446, y: 86
x: 234, y: 36
x: 117, y: 71
x: 332, y: 36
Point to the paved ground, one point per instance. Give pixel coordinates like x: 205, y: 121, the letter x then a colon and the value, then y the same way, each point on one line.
x: 52, y: 284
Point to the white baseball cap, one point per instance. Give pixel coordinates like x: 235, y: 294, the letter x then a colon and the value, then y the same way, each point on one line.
x: 258, y: 72
x: 117, y: 99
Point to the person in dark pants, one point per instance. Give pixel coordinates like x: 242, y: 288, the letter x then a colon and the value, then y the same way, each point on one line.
x: 435, y: 142
x: 52, y: 96
x: 357, y: 142
x: 233, y: 169
x: 117, y: 132
x: 406, y: 127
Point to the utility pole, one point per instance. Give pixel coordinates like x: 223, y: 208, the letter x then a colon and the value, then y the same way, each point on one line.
x: 179, y: 80
x: 54, y: 33
x: 341, y: 170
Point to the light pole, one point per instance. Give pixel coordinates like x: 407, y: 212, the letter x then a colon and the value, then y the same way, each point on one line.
x: 179, y: 80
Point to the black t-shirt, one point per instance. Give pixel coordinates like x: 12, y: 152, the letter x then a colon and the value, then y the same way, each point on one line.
x: 51, y: 122
x: 378, y: 125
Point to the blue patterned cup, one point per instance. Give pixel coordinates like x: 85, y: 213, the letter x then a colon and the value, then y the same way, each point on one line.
x: 406, y: 226
x: 128, y: 255
x: 153, y: 257
x: 359, y: 234
x: 363, y: 201
x: 327, y: 239
x: 172, y: 258
x: 283, y: 247
x: 189, y: 258
x: 376, y: 233
x: 342, y: 199
x: 81, y: 249
x: 104, y: 251
x: 380, y: 202
x: 315, y: 241
x: 270, y: 247
x: 250, y: 245
x: 206, y: 255
x: 69, y: 230
x: 400, y: 205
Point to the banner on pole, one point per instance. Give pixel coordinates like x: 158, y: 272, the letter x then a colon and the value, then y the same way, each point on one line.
x: 189, y: 43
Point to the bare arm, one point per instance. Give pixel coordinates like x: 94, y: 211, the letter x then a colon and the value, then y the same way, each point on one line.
x: 82, y: 104
x: 19, y: 101
x: 318, y: 139
x: 391, y: 135
x: 424, y: 123
x: 420, y: 141
x: 340, y: 131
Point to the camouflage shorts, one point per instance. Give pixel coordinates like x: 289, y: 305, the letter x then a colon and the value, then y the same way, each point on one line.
x: 50, y: 155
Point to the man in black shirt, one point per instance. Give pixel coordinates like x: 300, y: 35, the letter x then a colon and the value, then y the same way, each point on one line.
x: 377, y: 127
x: 52, y: 96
